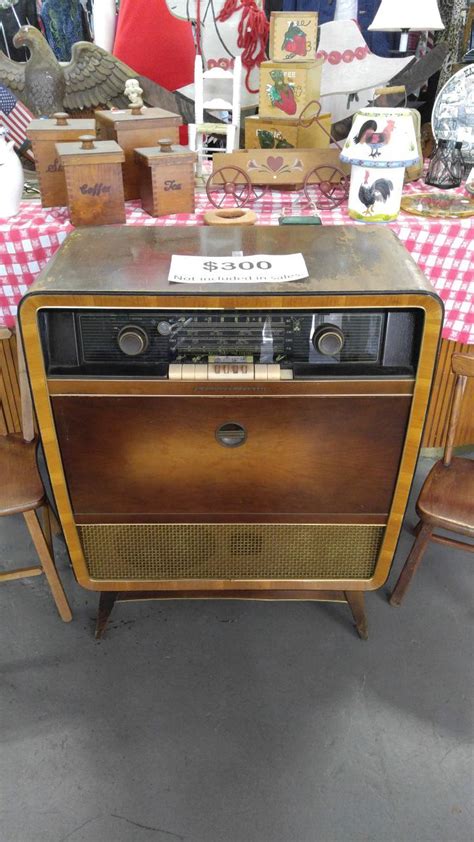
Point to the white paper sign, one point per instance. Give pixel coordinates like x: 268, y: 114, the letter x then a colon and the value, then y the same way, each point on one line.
x: 245, y: 269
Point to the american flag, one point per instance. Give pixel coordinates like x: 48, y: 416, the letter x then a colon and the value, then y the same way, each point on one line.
x: 15, y: 117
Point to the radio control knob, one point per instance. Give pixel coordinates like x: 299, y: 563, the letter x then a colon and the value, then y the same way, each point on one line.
x: 164, y: 328
x: 328, y: 340
x: 132, y: 340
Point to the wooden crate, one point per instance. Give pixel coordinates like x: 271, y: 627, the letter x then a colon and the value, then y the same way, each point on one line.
x: 286, y: 90
x: 166, y: 179
x: 44, y: 134
x: 132, y: 131
x: 293, y: 36
x: 262, y: 133
x: 94, y: 183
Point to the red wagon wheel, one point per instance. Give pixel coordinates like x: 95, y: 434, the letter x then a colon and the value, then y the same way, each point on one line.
x: 332, y: 184
x: 229, y: 181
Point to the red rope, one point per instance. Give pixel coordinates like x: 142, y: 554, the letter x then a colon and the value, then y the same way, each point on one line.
x: 253, y: 33
x: 198, y: 27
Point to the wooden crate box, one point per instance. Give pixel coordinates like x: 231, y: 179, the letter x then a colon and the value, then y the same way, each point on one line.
x: 293, y: 36
x: 44, y: 134
x: 262, y: 133
x: 286, y: 90
x: 133, y: 130
x: 93, y: 171
x: 166, y: 178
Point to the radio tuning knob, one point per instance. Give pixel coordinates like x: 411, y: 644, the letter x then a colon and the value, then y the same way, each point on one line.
x: 132, y: 340
x: 328, y: 340
x: 164, y: 328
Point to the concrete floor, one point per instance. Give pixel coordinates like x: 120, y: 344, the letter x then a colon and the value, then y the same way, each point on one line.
x: 238, y: 722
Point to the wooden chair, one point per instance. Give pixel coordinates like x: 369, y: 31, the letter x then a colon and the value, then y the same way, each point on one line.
x: 21, y: 491
x: 446, y: 500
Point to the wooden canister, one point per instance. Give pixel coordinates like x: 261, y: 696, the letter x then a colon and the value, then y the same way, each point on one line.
x: 44, y: 134
x: 133, y: 128
x: 93, y: 171
x: 286, y: 89
x: 166, y: 178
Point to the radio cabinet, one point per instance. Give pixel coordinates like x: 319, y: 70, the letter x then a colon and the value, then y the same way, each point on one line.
x: 294, y: 487
x: 44, y: 134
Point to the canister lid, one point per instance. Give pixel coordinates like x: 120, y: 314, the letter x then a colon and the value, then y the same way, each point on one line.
x: 167, y: 150
x: 59, y: 126
x: 125, y: 119
x: 87, y: 148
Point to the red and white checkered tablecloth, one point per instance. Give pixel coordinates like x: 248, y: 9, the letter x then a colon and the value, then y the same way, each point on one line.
x: 443, y: 249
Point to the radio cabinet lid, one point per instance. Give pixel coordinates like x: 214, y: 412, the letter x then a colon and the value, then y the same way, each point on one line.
x: 341, y: 260
x: 156, y: 154
x: 59, y: 127
x: 86, y: 152
x: 148, y: 119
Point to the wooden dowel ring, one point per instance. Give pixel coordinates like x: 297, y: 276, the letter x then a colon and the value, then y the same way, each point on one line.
x: 230, y: 216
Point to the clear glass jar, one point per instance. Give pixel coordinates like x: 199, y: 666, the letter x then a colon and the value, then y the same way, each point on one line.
x: 446, y: 167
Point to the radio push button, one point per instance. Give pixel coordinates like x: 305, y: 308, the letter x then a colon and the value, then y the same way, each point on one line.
x: 230, y: 371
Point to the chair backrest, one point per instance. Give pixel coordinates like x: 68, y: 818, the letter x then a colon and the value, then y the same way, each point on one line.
x: 212, y: 78
x: 463, y: 367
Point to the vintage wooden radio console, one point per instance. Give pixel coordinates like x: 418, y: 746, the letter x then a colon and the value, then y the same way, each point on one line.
x: 243, y: 441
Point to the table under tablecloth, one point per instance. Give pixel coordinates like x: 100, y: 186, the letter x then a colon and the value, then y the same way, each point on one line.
x: 442, y: 248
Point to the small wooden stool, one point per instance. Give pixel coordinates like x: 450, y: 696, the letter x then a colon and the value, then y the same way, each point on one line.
x: 21, y: 491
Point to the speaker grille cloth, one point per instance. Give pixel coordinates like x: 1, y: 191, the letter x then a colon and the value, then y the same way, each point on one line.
x: 223, y: 551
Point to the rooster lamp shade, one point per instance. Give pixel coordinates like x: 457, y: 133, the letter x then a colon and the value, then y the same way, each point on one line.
x: 407, y: 16
x: 381, y: 143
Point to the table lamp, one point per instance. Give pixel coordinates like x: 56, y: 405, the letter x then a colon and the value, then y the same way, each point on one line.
x: 406, y: 16
x: 381, y: 143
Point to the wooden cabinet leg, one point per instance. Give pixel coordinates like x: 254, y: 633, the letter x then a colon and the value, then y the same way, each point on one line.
x: 411, y: 564
x: 106, y: 603
x: 48, y: 565
x: 357, y: 605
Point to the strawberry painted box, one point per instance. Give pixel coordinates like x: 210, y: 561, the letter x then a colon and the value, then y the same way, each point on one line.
x: 264, y: 133
x: 286, y: 89
x: 293, y: 36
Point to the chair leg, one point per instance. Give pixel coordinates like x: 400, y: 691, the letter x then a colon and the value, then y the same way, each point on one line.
x: 48, y: 565
x: 47, y: 528
x: 411, y: 564
x: 357, y: 605
x: 54, y: 523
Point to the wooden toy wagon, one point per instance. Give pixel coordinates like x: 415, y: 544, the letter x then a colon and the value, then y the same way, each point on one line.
x: 236, y: 175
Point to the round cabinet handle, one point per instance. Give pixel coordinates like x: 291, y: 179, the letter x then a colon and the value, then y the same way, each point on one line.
x: 231, y: 434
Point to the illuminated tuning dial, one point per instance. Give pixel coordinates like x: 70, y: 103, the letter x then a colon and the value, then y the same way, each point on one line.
x: 328, y: 340
x: 132, y: 341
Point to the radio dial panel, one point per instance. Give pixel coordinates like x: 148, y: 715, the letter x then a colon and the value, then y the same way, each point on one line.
x: 247, y: 344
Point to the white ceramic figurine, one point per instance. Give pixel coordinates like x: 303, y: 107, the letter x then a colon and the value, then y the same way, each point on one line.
x: 11, y: 178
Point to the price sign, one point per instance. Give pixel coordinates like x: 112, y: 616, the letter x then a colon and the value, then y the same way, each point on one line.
x: 243, y: 269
